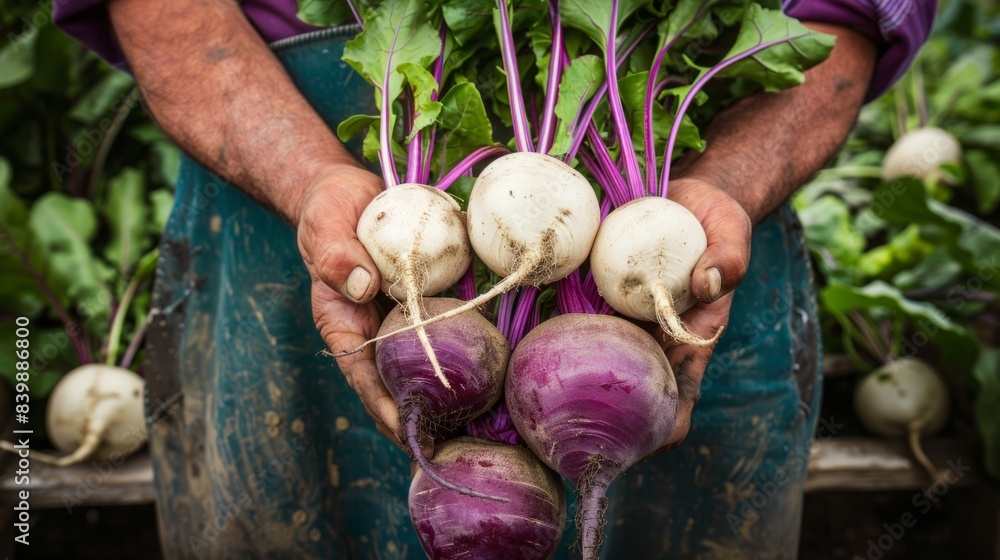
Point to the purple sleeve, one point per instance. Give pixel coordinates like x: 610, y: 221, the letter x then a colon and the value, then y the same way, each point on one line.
x: 898, y: 27
x: 87, y: 21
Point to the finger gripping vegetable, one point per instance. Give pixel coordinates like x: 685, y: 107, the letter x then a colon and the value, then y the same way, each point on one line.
x: 473, y: 354
x: 592, y: 395
x: 451, y: 525
x: 904, y: 398
x: 642, y: 266
x: 95, y: 412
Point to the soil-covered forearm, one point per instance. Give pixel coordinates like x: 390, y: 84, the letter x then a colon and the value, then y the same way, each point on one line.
x: 766, y: 146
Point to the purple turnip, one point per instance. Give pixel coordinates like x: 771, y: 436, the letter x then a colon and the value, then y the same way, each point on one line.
x: 592, y: 395
x: 473, y: 358
x: 452, y: 526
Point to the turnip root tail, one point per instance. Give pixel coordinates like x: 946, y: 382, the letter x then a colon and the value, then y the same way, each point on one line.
x: 918, y: 452
x: 525, y: 270
x: 670, y: 321
x: 91, y: 441
x: 592, y: 505
x: 412, y: 432
x: 414, y: 313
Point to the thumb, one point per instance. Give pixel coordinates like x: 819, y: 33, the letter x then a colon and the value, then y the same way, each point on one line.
x: 331, y: 249
x: 724, y: 262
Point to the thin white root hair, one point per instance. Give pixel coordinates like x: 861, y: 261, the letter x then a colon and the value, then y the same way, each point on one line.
x: 670, y: 321
x: 516, y: 278
x: 414, y: 312
x: 91, y: 441
x: 913, y: 436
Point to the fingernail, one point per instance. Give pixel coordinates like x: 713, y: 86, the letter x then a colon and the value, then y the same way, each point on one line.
x: 357, y: 284
x: 714, y: 283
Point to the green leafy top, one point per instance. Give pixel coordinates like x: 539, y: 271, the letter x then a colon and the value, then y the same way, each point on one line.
x: 398, y: 32
x: 781, y: 66
x: 85, y: 183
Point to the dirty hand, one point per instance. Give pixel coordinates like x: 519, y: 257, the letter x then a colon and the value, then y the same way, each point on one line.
x: 716, y: 275
x: 345, y: 281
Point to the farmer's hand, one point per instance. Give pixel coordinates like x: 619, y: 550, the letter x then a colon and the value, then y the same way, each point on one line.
x: 760, y: 150
x: 345, y: 281
x: 716, y: 275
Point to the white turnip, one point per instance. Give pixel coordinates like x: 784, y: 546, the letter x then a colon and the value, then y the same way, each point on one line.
x: 921, y: 153
x: 95, y: 412
x: 642, y: 262
x: 531, y: 219
x: 904, y: 398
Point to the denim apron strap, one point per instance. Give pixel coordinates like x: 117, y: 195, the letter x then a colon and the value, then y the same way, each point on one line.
x: 261, y: 450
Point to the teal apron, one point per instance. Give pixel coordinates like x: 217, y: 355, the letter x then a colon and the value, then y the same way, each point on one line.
x: 261, y: 450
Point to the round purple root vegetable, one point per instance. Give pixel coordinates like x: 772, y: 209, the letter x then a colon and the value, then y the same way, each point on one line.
x: 473, y: 357
x: 592, y: 395
x: 451, y: 526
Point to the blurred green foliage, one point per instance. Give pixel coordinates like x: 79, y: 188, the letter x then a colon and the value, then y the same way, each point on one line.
x: 85, y: 189
x: 912, y: 266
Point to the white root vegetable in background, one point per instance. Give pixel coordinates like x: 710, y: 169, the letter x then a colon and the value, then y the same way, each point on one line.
x: 95, y: 412
x: 643, y: 268
x: 921, y: 153
x: 904, y: 398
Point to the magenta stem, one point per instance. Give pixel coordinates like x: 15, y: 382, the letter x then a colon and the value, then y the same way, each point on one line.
x: 522, y: 322
x: 546, y: 135
x: 695, y: 88
x: 389, y: 174
x: 72, y: 330
x: 414, y: 148
x: 632, y: 173
x: 133, y: 347
x: 466, y: 286
x: 354, y: 11
x: 522, y: 134
x: 506, y: 313
x: 614, y: 186
x: 425, y: 175
x: 578, y: 131
x: 652, y: 92
x: 467, y: 163
x: 570, y: 297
